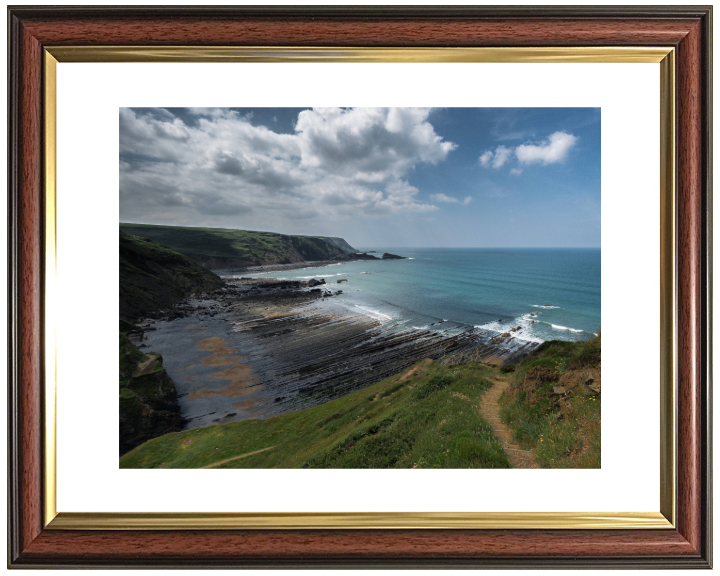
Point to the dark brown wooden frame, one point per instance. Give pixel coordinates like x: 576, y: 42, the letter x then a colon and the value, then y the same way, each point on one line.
x: 688, y: 29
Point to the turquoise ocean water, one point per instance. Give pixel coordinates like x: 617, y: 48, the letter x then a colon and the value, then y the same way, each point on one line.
x: 551, y: 293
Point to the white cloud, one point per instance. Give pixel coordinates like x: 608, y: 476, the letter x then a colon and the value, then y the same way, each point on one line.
x: 554, y: 149
x: 444, y: 198
x: 486, y: 157
x: 502, y: 154
x: 339, y: 163
x: 495, y: 159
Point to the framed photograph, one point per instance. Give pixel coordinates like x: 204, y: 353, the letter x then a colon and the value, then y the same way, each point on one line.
x: 358, y: 263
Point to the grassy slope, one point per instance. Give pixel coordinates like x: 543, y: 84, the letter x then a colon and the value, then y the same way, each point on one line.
x: 226, y: 243
x: 563, y: 430
x: 430, y: 421
x: 153, y: 276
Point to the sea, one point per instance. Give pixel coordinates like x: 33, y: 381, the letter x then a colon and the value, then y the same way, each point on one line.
x: 548, y: 293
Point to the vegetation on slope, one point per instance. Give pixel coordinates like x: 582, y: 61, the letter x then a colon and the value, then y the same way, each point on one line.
x: 553, y: 405
x: 153, y: 276
x: 427, y: 417
x: 338, y: 242
x: 148, y: 400
x: 220, y: 247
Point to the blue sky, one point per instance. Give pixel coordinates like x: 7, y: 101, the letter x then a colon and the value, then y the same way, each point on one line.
x: 408, y: 177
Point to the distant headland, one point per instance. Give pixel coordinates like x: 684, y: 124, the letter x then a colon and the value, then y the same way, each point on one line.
x: 222, y: 248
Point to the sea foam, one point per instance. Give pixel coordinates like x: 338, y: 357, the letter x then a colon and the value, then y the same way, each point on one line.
x: 373, y: 313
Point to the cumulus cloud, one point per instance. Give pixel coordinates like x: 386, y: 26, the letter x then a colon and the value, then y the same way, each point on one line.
x: 495, y: 159
x: 444, y: 198
x: 554, y: 149
x: 337, y: 163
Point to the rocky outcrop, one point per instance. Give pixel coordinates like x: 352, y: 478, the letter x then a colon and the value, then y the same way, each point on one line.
x: 585, y: 381
x: 148, y: 399
x: 581, y: 375
x: 388, y: 256
x: 362, y: 256
x: 537, y: 376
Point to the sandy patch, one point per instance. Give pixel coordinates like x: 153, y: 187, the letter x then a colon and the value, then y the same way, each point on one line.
x: 222, y: 354
x: 241, y: 376
x: 245, y: 404
x: 236, y: 389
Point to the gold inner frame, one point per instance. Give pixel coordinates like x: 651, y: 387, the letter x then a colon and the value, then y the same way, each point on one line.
x: 664, y: 519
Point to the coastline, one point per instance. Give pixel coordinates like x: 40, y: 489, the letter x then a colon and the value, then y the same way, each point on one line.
x: 279, y: 267
x: 261, y: 347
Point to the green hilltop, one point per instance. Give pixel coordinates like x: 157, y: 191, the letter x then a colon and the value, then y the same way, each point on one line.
x: 227, y: 248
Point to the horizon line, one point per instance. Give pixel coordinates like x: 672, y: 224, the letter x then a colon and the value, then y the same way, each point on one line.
x: 342, y: 237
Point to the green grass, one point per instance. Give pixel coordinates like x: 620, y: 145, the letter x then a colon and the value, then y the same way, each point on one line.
x: 228, y: 243
x: 564, y: 431
x: 431, y: 421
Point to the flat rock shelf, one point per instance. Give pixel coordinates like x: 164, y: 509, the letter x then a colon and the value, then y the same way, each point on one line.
x: 259, y: 348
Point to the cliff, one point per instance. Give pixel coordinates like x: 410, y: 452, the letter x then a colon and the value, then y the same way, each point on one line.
x: 220, y: 248
x: 148, y: 400
x: 337, y: 242
x: 153, y: 277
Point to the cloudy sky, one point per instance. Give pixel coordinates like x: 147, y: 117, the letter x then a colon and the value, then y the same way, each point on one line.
x: 452, y: 177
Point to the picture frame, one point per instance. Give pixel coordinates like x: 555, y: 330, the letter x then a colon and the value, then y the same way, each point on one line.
x: 678, y: 37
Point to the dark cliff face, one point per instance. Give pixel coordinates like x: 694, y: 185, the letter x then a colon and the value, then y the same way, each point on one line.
x: 148, y: 400
x: 153, y: 277
x: 314, y: 248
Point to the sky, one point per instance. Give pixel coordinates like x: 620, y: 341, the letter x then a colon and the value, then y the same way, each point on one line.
x: 400, y: 177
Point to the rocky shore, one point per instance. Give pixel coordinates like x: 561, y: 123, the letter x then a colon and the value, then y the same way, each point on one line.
x: 280, y: 267
x: 256, y: 348
x: 309, y: 264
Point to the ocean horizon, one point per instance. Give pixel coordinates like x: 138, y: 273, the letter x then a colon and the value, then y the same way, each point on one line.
x: 548, y: 293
